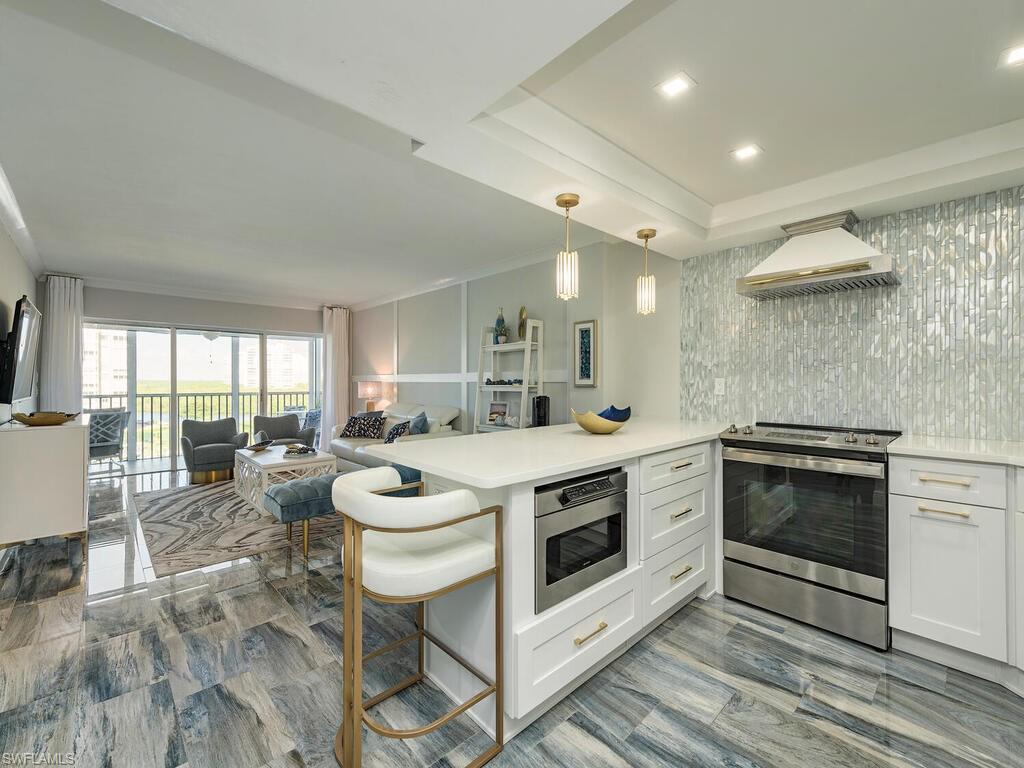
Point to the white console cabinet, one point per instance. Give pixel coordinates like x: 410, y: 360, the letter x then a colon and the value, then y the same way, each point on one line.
x: 43, y: 473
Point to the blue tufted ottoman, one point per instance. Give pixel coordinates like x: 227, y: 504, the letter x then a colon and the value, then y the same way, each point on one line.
x: 309, y: 497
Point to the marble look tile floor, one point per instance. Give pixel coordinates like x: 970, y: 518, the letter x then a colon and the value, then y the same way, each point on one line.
x: 238, y: 664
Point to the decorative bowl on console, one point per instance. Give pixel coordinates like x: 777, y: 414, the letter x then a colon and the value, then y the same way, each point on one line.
x: 44, y: 418
x: 596, y: 424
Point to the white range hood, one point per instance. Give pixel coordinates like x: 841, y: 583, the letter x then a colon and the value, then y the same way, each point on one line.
x: 821, y: 256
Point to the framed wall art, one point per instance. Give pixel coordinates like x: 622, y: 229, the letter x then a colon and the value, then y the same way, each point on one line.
x: 585, y: 353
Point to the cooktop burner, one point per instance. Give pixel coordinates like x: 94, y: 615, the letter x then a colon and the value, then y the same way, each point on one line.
x: 809, y: 434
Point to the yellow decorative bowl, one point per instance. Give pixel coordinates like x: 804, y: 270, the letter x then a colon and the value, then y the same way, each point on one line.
x: 594, y: 424
x: 44, y: 418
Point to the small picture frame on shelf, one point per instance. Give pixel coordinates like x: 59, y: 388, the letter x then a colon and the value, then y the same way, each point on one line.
x: 585, y: 353
x: 497, y: 413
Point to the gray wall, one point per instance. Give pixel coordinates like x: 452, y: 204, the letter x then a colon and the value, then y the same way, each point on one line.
x: 16, y: 279
x: 158, y: 309
x: 430, y: 332
x: 940, y: 354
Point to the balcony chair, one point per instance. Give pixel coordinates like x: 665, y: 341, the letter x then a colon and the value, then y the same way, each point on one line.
x: 106, y: 435
x: 409, y: 550
x: 282, y: 430
x: 208, y: 448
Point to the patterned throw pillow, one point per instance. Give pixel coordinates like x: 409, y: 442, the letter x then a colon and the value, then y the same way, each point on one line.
x: 364, y: 426
x: 397, y: 431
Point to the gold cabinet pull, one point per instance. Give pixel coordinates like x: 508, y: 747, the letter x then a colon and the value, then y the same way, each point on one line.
x: 600, y: 628
x: 953, y: 512
x: 677, y: 515
x: 678, y: 576
x: 681, y: 465
x: 945, y: 481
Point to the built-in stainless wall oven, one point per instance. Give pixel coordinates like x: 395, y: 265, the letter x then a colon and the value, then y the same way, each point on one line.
x: 805, y: 525
x: 580, y: 529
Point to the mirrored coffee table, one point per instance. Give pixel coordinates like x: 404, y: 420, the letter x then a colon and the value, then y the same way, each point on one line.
x: 255, y: 472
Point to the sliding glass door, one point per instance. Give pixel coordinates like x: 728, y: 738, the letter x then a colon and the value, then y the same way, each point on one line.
x: 214, y: 375
x: 218, y: 377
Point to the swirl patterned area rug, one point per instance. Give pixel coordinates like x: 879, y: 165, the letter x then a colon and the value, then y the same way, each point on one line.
x: 199, y: 525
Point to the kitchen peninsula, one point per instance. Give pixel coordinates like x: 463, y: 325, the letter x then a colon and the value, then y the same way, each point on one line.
x: 603, y: 537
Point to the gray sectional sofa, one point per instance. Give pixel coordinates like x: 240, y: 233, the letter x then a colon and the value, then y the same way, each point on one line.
x: 351, y: 450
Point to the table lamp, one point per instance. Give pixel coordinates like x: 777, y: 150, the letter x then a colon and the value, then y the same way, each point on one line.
x: 369, y: 391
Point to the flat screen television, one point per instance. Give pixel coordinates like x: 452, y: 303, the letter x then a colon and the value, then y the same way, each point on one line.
x: 18, y: 353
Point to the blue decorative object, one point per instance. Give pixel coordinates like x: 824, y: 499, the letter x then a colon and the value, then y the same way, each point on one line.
x: 500, y: 329
x: 616, y: 414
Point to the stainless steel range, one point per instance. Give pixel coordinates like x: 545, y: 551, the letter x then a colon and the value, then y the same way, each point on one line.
x: 805, y: 524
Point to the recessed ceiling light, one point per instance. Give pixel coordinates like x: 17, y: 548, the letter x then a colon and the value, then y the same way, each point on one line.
x: 675, y: 85
x: 1012, y: 57
x: 747, y: 152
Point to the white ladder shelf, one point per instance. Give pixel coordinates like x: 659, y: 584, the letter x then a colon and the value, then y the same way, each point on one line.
x: 532, y: 349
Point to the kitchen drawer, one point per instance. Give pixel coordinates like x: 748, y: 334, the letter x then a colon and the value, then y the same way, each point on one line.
x: 673, y: 574
x: 570, y: 639
x: 668, y: 467
x: 966, y: 483
x: 670, y: 514
x: 947, y: 573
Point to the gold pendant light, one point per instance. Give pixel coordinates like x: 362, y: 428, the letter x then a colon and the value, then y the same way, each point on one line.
x: 567, y: 263
x: 645, y: 290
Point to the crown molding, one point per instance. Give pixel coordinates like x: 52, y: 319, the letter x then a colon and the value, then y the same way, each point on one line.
x: 188, y: 293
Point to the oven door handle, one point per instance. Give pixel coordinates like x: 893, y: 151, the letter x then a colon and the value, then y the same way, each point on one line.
x: 813, y: 463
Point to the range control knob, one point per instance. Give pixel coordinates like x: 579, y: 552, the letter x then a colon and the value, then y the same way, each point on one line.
x: 748, y: 430
x: 850, y: 437
x: 871, y: 440
x: 732, y: 429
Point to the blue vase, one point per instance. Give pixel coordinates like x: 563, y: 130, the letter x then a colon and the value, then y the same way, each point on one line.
x: 499, y: 325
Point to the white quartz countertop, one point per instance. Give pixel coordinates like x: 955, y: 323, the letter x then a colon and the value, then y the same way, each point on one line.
x: 958, y: 449
x: 497, y: 459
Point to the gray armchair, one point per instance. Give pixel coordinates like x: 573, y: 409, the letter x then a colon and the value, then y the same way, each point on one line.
x: 106, y: 435
x: 282, y: 430
x: 209, y: 449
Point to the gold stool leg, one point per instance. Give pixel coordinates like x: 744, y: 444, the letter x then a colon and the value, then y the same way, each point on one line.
x: 288, y: 529
x: 344, y: 739
x: 354, y: 758
x: 305, y: 538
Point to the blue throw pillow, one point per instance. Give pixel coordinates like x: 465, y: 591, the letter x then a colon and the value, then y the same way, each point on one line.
x: 364, y: 414
x: 397, y: 431
x: 419, y: 425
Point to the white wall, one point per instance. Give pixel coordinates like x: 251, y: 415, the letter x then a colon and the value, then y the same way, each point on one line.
x: 426, y: 335
x: 16, y: 280
x: 158, y: 309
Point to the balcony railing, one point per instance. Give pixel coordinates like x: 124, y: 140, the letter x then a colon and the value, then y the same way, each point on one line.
x: 149, y: 432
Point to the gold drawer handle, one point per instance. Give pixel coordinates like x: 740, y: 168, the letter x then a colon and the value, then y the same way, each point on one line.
x: 953, y: 512
x: 677, y: 515
x: 681, y: 465
x: 945, y: 481
x: 678, y: 576
x: 600, y: 628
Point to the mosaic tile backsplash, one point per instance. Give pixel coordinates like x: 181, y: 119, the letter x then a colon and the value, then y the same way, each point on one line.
x: 939, y: 354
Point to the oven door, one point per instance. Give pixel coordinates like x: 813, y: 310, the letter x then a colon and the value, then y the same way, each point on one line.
x: 818, y: 518
x: 578, y: 547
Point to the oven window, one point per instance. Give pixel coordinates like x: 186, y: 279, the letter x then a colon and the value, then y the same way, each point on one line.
x: 572, y: 551
x: 833, y: 519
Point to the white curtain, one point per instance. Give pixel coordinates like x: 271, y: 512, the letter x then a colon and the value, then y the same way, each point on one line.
x: 60, y: 375
x: 337, y: 374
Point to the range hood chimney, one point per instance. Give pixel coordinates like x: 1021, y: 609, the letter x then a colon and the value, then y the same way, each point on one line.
x: 821, y: 256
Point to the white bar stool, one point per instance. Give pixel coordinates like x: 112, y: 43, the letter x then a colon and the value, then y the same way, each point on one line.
x: 406, y: 550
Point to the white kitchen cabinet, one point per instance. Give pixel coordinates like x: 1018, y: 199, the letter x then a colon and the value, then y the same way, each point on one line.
x: 1019, y: 597
x: 947, y: 573
x: 674, y: 574
x: 963, y: 482
x: 668, y: 467
x: 570, y: 638
x: 670, y: 514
